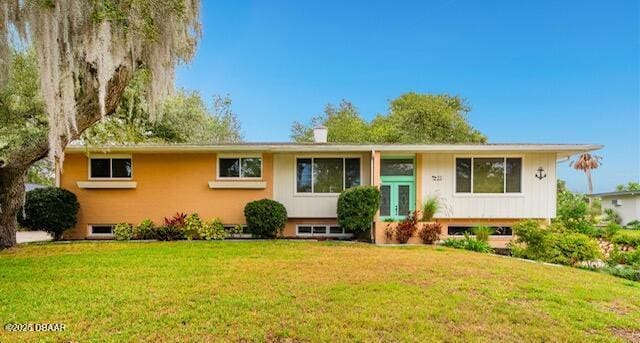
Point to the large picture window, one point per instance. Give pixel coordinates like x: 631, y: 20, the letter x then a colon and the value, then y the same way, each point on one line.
x: 240, y: 167
x: 110, y: 168
x: 489, y: 175
x: 327, y: 175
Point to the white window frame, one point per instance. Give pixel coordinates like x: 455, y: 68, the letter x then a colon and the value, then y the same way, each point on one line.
x: 504, y: 193
x: 312, y: 158
x: 239, y: 157
x: 327, y: 234
x: 110, y: 157
x: 92, y: 234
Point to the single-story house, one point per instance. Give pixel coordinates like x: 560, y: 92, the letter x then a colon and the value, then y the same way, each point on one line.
x: 493, y: 184
x: 625, y: 203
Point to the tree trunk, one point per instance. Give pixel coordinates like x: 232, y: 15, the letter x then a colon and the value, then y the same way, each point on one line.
x: 12, y: 185
x: 14, y: 168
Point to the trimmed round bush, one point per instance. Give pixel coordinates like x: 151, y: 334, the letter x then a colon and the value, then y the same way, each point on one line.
x: 51, y: 209
x: 144, y: 230
x: 265, y: 218
x: 123, y: 232
x: 357, y: 206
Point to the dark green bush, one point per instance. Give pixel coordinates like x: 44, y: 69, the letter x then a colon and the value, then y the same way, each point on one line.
x: 607, y: 231
x: 51, y: 209
x: 468, y: 243
x: 633, y: 225
x: 265, y: 218
x: 357, y: 206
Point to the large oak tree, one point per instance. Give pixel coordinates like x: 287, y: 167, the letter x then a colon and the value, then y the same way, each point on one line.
x: 86, y: 53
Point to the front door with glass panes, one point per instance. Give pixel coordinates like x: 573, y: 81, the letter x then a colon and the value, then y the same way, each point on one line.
x: 397, y: 188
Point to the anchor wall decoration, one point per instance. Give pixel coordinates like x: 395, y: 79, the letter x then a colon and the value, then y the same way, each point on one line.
x: 540, y: 173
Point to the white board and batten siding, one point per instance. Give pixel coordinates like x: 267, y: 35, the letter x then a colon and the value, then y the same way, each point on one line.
x: 537, y: 199
x: 309, y: 205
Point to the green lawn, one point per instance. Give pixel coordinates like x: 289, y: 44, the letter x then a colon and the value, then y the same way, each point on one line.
x: 304, y: 291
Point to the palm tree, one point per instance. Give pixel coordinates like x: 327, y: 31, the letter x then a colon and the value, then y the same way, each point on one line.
x: 587, y: 162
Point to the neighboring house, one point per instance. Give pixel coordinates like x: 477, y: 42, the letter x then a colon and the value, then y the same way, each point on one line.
x: 625, y: 203
x: 493, y: 184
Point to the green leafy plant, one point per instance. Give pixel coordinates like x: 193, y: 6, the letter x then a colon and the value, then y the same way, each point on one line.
x: 482, y: 232
x: 169, y: 233
x: 468, y: 243
x: 571, y: 248
x: 633, y: 225
x: 192, y: 226
x: 213, y: 230
x: 573, y: 212
x: 265, y: 218
x: 123, y: 232
x: 430, y: 208
x: 611, y: 216
x: 357, y: 207
x: 630, y: 238
x: 51, y: 209
x: 608, y: 231
x: 407, y: 227
x: 430, y: 232
x: 144, y: 230
x: 236, y: 231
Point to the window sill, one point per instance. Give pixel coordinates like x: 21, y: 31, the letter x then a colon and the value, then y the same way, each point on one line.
x: 237, y: 184
x: 107, y: 184
x: 488, y: 195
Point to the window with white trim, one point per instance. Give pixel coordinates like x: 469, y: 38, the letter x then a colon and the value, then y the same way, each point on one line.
x: 240, y: 167
x: 327, y: 175
x: 488, y: 175
x: 110, y: 168
x: 103, y: 229
x: 326, y: 230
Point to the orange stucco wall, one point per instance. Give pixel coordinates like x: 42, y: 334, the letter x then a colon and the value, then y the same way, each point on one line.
x: 166, y: 184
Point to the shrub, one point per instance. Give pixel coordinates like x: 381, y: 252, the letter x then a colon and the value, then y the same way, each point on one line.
x: 407, y: 227
x: 213, y: 230
x: 51, y: 209
x: 429, y: 209
x: 633, y: 225
x: 631, y: 258
x: 552, y: 244
x: 468, y: 243
x: 530, y: 241
x: 611, y: 216
x: 627, y: 238
x: 482, y: 233
x: 357, y: 206
x: 192, y: 226
x: 571, y: 248
x: 430, y: 232
x: 123, y: 232
x: 169, y: 233
x: 625, y: 272
x: 573, y: 213
x: 265, y: 218
x: 608, y: 231
x: 144, y: 230
x: 236, y: 231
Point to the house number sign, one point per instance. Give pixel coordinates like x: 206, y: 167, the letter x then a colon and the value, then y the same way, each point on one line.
x: 436, y: 178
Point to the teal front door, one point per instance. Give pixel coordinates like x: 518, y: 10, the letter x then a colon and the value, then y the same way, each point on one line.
x: 397, y: 199
x: 398, y: 196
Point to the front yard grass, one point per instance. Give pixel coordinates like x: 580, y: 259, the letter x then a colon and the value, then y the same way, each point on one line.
x: 304, y: 291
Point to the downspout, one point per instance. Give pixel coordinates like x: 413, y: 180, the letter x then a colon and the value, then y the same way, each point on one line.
x: 373, y: 225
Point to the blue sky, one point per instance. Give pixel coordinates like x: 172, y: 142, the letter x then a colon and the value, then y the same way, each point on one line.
x: 537, y: 71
